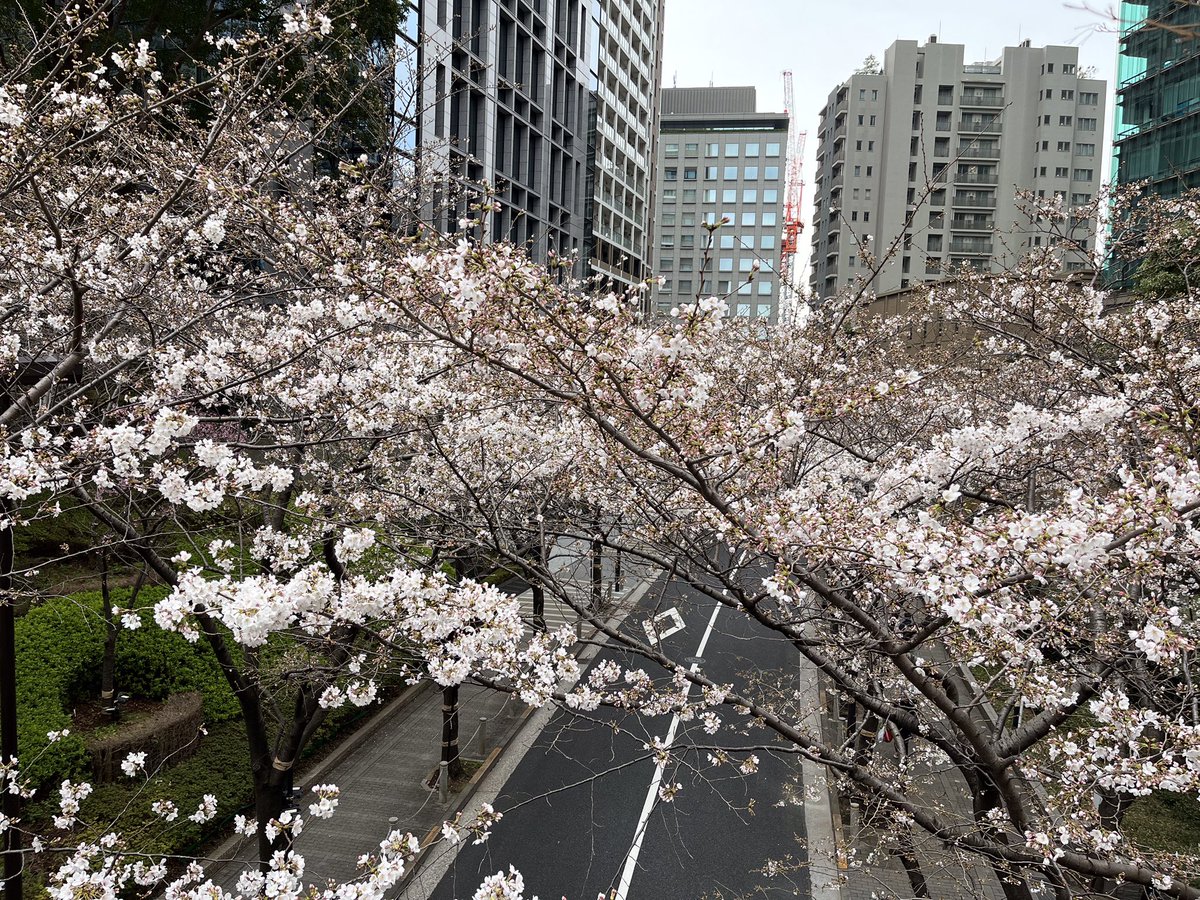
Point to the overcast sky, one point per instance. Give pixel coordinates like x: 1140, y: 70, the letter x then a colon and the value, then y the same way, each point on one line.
x: 737, y: 42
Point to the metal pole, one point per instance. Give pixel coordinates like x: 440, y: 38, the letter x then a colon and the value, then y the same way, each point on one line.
x: 443, y: 781
x: 13, y: 859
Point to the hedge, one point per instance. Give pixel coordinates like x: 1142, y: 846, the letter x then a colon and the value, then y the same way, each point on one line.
x: 60, y: 649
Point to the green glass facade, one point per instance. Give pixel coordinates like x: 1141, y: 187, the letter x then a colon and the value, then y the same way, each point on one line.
x: 1157, y: 122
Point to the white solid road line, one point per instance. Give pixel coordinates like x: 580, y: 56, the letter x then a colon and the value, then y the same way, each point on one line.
x: 652, y: 794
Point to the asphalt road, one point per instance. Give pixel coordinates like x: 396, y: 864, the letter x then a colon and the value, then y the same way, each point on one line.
x: 573, y: 805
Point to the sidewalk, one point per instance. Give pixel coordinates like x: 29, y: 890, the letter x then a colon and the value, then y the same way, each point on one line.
x: 381, y: 771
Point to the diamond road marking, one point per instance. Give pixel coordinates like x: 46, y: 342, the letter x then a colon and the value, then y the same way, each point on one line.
x: 654, y: 627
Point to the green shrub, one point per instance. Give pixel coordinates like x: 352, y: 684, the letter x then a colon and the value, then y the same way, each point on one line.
x: 60, y: 650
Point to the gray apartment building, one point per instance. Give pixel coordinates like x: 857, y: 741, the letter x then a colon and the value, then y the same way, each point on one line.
x: 551, y: 102
x: 927, y: 155
x: 720, y: 160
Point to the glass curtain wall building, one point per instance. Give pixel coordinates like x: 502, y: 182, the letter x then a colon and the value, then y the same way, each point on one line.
x: 1156, y: 133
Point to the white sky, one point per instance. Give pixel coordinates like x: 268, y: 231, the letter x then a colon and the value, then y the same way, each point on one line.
x: 738, y: 42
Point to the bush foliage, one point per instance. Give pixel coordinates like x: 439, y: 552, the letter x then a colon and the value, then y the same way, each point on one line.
x: 60, y: 648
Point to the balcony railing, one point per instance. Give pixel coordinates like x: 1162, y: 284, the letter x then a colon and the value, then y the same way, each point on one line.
x: 973, y: 247
x: 981, y: 100
x: 974, y: 127
x: 943, y: 126
x: 976, y: 178
x: 988, y: 202
x: 972, y: 151
x: 972, y: 223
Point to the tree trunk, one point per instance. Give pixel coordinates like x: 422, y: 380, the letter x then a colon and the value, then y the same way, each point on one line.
x: 539, y: 605
x: 597, y: 571
x: 912, y: 865
x: 109, y: 664
x: 270, y: 796
x: 450, y: 731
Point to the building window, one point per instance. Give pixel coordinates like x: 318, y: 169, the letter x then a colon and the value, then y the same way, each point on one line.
x: 857, y: 171
x: 1061, y: 172
x: 748, y: 218
x: 689, y: 173
x: 672, y: 150
x: 870, y: 146
x: 772, y: 149
x: 750, y: 173
x: 771, y: 173
x: 1085, y: 124
x: 667, y: 286
x: 669, y: 195
x: 875, y: 94
x: 671, y: 174
x: 770, y: 196
x: 723, y: 286
x: 1064, y: 120
x: 1068, y: 68
x: 768, y: 219
x: 945, y: 95
x: 1081, y: 199
x: 689, y: 220
x: 1064, y: 146
x: 729, y: 195
x: 1045, y: 145
x: 712, y: 150
x: 668, y: 219
x: 861, y: 120
x: 871, y: 120
x: 751, y: 150
x: 731, y: 149
x: 749, y: 195
x: 666, y: 264
x: 685, y: 285
x: 858, y: 146
x: 854, y: 216
x: 687, y: 242
x: 743, y: 310
x: 1088, y: 98
x: 1085, y: 149
x: 1049, y: 68
x: 746, y: 242
x: 710, y: 195
x: 727, y: 242
x: 766, y: 242
x: 691, y: 149
x: 745, y: 264
x: 668, y: 240
x: 710, y: 173
x: 764, y: 290
x: 685, y: 265
x: 689, y: 195
x: 710, y: 218
x: 869, y: 170
x: 725, y: 264
x: 862, y: 93
x: 730, y: 173
x: 1083, y: 175
x: 1068, y: 95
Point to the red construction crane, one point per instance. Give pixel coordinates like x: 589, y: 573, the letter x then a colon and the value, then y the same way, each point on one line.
x: 793, y: 192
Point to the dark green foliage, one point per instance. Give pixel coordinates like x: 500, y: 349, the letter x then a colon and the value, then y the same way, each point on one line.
x: 60, y: 645
x: 1164, y: 821
x: 221, y: 767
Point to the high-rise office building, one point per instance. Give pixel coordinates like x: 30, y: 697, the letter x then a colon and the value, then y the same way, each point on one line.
x: 551, y: 103
x: 922, y: 160
x: 1157, y: 130
x: 628, y: 75
x: 719, y: 160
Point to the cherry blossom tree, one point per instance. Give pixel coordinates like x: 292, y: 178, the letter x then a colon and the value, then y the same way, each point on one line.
x: 281, y: 392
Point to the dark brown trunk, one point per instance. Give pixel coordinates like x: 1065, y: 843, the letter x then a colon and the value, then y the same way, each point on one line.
x: 539, y: 606
x: 597, y: 572
x: 450, y: 731
x: 912, y: 865
x: 109, y: 663
x: 13, y: 857
x: 270, y: 795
